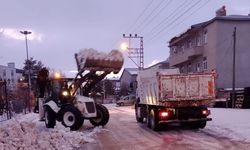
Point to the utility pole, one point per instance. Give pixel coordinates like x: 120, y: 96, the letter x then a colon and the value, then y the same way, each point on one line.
x: 136, y: 53
x: 28, y: 63
x: 234, y: 51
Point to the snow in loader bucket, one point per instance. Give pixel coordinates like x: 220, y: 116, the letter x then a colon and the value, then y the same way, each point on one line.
x: 91, y: 59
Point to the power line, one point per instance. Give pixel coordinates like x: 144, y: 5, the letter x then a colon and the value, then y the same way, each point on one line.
x: 173, y: 14
x: 168, y: 25
x: 202, y: 5
x: 136, y: 20
x: 155, y: 16
x: 173, y: 21
x: 151, y: 13
x: 141, y: 14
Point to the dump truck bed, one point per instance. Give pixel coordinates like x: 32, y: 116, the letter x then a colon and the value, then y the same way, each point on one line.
x: 171, y: 89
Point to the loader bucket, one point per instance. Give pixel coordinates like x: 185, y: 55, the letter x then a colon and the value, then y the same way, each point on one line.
x: 91, y: 59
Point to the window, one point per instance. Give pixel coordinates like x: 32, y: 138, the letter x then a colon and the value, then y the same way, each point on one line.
x: 189, y: 67
x: 198, y: 69
x: 205, y: 63
x: 4, y: 73
x: 173, y: 50
x: 198, y: 40
x: 182, y: 47
x: 189, y: 45
x: 12, y: 73
x: 205, y: 37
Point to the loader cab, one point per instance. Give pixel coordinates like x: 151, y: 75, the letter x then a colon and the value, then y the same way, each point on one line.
x: 60, y: 91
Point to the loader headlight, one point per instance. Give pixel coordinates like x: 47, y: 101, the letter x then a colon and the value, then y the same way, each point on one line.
x: 65, y: 93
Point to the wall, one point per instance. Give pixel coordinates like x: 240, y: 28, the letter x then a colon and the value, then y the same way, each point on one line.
x: 224, y: 57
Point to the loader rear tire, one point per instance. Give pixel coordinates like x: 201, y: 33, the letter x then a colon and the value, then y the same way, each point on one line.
x: 50, y: 117
x: 71, y: 117
x: 102, y: 116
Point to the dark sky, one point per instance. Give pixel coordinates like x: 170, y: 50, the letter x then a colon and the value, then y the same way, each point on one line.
x: 61, y: 28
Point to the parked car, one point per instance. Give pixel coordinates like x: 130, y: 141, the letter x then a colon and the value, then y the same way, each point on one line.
x: 126, y: 100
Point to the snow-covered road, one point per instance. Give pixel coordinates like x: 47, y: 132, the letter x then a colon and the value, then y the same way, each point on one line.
x: 228, y: 130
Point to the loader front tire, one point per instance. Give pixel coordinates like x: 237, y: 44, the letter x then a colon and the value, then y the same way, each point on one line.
x: 50, y: 117
x: 71, y: 117
x: 102, y: 116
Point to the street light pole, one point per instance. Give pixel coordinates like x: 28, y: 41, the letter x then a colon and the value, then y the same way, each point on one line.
x: 28, y: 64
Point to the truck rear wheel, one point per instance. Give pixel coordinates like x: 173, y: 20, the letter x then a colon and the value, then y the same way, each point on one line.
x: 153, y: 119
x: 202, y: 124
x: 102, y: 116
x: 197, y: 125
x: 72, y: 117
x: 138, y: 112
x: 50, y: 117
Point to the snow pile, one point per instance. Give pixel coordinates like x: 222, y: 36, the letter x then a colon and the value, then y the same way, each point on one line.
x: 93, y: 58
x: 26, y: 132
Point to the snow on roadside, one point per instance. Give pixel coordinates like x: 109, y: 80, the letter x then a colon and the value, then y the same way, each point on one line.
x: 232, y: 123
x: 27, y: 132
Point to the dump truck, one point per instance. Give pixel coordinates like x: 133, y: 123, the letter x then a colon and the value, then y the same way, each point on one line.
x: 69, y: 101
x: 164, y: 96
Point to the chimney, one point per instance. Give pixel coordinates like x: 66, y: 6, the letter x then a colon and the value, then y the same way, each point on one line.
x: 221, y: 11
x: 11, y: 65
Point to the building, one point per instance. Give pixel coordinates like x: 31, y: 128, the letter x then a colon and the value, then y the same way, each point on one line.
x: 116, y: 84
x: 128, y: 80
x: 209, y: 46
x: 10, y: 74
x: 128, y: 77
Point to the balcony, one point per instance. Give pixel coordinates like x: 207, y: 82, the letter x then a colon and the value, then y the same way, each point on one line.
x: 186, y: 55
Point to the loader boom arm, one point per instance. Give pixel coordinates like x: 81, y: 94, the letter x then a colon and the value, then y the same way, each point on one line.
x: 93, y: 66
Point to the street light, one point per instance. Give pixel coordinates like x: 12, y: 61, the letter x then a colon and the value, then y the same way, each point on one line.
x: 124, y: 46
x: 27, y: 52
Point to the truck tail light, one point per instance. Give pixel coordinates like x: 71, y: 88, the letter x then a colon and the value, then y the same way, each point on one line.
x: 164, y: 114
x: 205, y: 112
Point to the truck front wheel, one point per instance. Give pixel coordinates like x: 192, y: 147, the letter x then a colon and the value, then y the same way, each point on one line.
x: 102, y: 116
x: 71, y: 117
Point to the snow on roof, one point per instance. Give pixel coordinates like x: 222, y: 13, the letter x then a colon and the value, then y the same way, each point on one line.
x: 132, y: 71
x: 27, y: 132
x: 114, y: 78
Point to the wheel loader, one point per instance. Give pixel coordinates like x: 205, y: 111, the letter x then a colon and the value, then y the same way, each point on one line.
x: 67, y: 101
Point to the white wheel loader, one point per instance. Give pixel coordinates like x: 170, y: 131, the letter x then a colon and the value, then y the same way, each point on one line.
x: 69, y: 101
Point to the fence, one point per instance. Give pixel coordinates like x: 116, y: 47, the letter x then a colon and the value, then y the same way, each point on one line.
x: 5, y: 112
